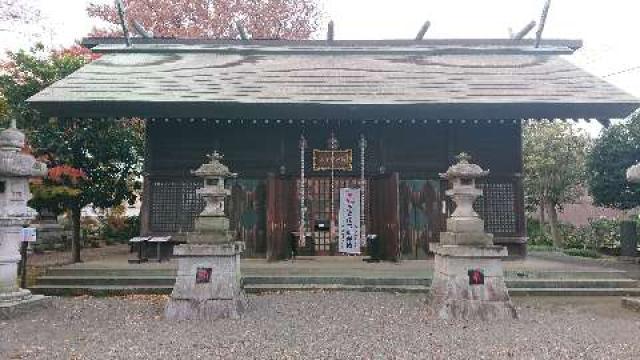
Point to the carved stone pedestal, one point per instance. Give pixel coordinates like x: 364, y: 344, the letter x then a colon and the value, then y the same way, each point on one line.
x: 468, y: 280
x: 468, y: 283
x: 13, y: 300
x: 208, y: 285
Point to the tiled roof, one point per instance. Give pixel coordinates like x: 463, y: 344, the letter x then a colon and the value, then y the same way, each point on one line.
x: 217, y: 74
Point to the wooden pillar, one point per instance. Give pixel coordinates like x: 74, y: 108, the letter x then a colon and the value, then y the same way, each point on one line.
x: 145, y: 205
x: 519, y: 188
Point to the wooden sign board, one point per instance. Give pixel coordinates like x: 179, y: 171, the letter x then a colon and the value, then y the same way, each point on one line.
x: 28, y: 234
x: 342, y: 160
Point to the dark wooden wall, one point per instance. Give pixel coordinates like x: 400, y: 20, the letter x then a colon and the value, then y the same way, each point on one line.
x: 418, y: 152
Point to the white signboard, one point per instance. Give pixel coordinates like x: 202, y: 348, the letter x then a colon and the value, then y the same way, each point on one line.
x: 349, y: 221
x: 28, y: 234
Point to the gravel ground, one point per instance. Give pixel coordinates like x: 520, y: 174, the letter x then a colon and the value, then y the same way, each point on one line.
x: 322, y: 326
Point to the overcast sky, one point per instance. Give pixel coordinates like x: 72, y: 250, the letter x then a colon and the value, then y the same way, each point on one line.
x: 607, y: 27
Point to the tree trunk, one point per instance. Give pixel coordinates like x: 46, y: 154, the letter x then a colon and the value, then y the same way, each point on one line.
x: 75, y: 236
x: 543, y: 220
x: 553, y: 221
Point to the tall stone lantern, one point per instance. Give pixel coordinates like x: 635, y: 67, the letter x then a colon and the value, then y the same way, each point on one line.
x: 468, y: 280
x: 15, y: 170
x: 208, y: 283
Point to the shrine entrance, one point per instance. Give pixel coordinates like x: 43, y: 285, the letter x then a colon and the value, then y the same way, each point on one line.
x: 379, y: 215
x: 318, y: 203
x: 327, y: 209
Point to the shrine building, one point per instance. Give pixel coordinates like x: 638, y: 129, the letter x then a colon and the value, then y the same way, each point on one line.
x: 301, y: 120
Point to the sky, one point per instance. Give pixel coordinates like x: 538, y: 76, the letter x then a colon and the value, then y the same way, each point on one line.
x: 606, y: 27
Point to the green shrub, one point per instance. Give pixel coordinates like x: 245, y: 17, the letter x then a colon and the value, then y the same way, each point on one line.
x: 588, y: 253
x: 606, y: 233
x: 542, y: 248
x: 599, y: 235
x: 536, y: 234
x: 577, y: 237
x: 121, y: 229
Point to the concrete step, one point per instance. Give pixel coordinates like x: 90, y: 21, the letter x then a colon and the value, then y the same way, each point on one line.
x: 546, y: 274
x: 570, y: 283
x: 267, y: 288
x: 134, y: 271
x: 138, y: 279
x: 99, y: 290
x: 337, y: 280
x: 147, y: 280
x: 113, y: 290
x: 574, y: 292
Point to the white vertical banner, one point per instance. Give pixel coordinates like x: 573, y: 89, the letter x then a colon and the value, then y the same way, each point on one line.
x: 349, y: 221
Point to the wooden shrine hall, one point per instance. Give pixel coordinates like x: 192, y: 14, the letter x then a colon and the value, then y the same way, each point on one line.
x: 301, y: 120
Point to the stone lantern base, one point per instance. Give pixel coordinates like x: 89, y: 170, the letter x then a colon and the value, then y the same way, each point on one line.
x: 208, y: 283
x: 20, y: 302
x: 468, y: 283
x: 13, y: 300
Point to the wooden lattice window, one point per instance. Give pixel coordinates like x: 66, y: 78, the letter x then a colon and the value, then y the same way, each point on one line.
x: 498, y: 208
x: 174, y: 204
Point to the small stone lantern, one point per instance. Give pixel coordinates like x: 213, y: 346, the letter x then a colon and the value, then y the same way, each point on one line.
x: 212, y: 226
x: 468, y: 281
x: 465, y: 227
x: 208, y: 283
x: 15, y: 170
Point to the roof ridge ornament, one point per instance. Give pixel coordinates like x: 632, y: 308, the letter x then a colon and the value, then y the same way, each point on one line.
x: 423, y: 30
x: 543, y: 21
x: 123, y: 22
x: 330, y: 31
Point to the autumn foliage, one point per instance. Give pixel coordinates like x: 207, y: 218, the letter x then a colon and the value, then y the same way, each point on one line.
x: 65, y: 173
x: 267, y: 19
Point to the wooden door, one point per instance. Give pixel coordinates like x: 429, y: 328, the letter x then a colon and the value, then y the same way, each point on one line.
x: 279, y: 226
x: 385, y: 217
x: 318, y: 202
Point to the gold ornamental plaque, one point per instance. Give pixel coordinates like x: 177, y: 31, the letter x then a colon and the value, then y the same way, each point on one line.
x: 342, y: 160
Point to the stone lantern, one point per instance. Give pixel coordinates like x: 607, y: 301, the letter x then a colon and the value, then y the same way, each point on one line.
x: 212, y: 226
x: 208, y: 282
x: 633, y: 174
x: 15, y: 170
x: 464, y: 227
x: 468, y: 280
x: 628, y: 232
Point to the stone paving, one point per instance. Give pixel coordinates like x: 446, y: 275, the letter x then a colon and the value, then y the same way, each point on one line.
x: 322, y: 326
